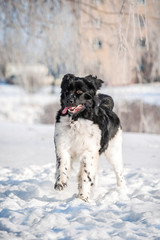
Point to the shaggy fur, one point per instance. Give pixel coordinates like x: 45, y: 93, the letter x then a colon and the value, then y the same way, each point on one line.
x: 85, y: 127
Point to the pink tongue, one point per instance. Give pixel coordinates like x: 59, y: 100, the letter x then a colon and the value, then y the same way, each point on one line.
x: 65, y: 110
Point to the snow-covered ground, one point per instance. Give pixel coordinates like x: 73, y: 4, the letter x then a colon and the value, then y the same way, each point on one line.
x: 30, y: 208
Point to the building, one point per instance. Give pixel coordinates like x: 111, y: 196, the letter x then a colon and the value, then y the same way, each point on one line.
x: 118, y: 40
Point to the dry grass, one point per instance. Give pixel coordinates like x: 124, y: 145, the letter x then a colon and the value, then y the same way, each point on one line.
x: 50, y: 112
x: 133, y: 118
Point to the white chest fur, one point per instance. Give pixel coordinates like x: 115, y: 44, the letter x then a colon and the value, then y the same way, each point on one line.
x: 77, y: 136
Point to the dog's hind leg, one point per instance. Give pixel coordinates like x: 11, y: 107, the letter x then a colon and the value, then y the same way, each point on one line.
x: 114, y: 156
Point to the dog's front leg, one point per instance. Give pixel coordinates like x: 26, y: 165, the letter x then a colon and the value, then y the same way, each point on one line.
x: 62, y: 170
x: 87, y: 175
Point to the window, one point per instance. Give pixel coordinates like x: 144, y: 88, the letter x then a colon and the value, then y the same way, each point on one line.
x: 141, y: 1
x: 142, y: 42
x: 97, y: 44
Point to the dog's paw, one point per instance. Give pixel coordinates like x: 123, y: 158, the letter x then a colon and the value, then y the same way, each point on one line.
x: 60, y: 186
x: 121, y: 183
x: 82, y: 197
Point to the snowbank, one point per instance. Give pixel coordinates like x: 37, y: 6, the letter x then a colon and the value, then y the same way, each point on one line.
x: 22, y: 107
x: 31, y: 209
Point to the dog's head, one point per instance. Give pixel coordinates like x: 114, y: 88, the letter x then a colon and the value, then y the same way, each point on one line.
x: 77, y: 93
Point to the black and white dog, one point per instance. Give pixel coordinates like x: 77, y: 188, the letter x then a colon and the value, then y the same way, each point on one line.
x: 85, y: 127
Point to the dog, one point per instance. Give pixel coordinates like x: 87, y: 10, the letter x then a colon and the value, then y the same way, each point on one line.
x: 86, y: 127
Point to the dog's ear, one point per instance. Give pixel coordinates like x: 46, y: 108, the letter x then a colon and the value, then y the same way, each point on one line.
x: 94, y: 81
x: 67, y: 77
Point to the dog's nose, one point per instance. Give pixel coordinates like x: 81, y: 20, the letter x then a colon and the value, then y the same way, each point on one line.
x: 70, y: 101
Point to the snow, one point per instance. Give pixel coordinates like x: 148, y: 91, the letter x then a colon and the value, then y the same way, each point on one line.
x: 20, y: 106
x: 30, y: 208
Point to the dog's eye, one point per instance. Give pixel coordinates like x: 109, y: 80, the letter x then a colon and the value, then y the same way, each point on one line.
x: 79, y: 92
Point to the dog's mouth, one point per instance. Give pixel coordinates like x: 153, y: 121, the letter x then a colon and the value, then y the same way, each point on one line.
x: 73, y: 110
